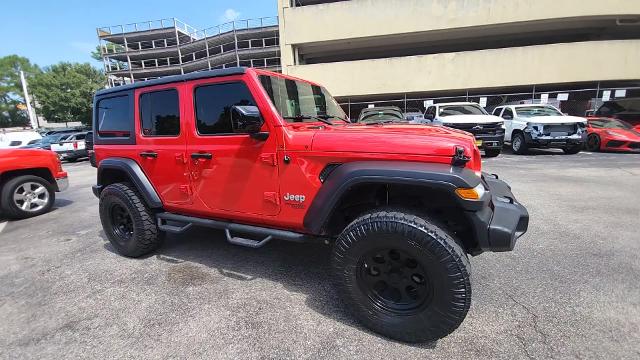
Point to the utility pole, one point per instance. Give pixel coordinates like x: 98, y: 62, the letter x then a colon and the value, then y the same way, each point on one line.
x: 32, y: 114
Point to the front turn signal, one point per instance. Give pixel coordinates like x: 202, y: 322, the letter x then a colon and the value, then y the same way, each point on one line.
x: 471, y: 193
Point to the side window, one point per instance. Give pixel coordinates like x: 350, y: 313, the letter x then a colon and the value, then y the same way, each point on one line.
x: 160, y: 113
x: 80, y: 137
x: 496, y: 111
x: 431, y: 110
x: 113, y: 117
x: 213, y: 106
x: 507, y: 113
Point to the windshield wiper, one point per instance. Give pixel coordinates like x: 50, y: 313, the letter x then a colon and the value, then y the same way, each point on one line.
x: 334, y: 117
x: 308, y: 117
x: 380, y: 122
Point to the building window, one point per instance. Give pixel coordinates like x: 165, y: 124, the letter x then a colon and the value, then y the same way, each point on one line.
x: 213, y: 106
x: 160, y: 113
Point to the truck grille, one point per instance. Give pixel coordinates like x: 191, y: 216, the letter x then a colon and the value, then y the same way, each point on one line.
x: 564, y: 129
x: 479, y: 129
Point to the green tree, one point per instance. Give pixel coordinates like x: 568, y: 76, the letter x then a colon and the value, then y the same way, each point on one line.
x: 11, y: 89
x: 64, y: 92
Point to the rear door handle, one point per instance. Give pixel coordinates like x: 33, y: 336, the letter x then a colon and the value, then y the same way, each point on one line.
x: 207, y: 156
x: 149, y: 154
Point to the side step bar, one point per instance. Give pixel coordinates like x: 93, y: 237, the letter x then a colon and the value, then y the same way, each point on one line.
x: 180, y: 224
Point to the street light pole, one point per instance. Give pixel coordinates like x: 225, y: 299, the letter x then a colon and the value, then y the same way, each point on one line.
x: 32, y: 114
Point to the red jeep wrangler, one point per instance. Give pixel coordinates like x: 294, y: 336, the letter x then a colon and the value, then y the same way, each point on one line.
x: 266, y: 156
x: 29, y: 179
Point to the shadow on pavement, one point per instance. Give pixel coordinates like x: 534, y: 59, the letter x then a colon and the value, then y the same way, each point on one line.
x: 301, y: 268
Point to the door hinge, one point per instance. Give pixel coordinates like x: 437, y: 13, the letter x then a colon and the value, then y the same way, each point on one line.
x: 272, y: 197
x: 185, y: 189
x: 269, y: 159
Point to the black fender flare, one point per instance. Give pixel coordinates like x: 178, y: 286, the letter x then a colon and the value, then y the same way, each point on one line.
x: 135, y: 174
x: 435, y: 176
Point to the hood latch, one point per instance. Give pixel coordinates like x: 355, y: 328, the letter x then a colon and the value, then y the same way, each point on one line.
x: 459, y: 158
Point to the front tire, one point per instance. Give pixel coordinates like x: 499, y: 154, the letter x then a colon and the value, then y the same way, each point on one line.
x: 491, y: 152
x: 519, y: 144
x: 402, y: 276
x: 129, y: 225
x: 593, y: 142
x: 572, y: 150
x: 27, y: 196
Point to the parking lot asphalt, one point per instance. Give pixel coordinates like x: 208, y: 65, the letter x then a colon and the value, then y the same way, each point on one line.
x: 570, y: 289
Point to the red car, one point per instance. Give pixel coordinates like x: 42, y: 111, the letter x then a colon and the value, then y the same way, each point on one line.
x: 29, y: 179
x: 611, y: 135
x: 266, y: 156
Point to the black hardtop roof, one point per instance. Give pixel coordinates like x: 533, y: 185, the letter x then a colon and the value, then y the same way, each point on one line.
x: 174, y: 78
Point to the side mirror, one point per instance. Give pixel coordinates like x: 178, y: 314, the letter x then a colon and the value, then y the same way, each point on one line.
x: 429, y: 117
x: 247, y: 119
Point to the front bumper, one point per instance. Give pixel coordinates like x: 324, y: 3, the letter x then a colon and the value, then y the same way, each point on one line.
x: 490, y: 141
x: 501, y: 221
x: 545, y: 141
x: 62, y: 183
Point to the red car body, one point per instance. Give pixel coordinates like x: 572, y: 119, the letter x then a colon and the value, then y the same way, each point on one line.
x: 608, y: 134
x: 244, y: 183
x: 26, y: 160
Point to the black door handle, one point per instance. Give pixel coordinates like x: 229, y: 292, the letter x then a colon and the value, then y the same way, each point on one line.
x: 149, y: 154
x: 207, y: 156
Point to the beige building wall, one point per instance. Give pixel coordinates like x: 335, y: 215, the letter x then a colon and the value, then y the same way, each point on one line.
x: 526, y: 65
x: 540, y: 64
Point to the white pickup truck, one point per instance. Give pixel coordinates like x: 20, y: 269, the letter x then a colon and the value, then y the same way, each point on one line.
x: 541, y: 126
x: 71, y: 147
x: 487, y: 129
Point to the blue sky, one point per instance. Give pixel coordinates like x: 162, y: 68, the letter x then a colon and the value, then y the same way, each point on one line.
x: 49, y: 31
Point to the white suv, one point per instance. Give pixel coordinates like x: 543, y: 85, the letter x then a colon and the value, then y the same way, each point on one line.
x: 541, y: 126
x: 470, y: 117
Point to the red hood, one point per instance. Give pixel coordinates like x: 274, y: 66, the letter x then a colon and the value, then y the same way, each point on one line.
x: 392, y: 138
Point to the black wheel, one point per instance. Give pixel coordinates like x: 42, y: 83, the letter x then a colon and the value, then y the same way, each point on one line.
x: 572, y: 149
x: 26, y: 196
x: 593, y: 142
x: 518, y: 144
x: 129, y: 225
x: 491, y: 152
x: 402, y: 276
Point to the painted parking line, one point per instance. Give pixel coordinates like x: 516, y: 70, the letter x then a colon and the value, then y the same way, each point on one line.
x: 2, y: 225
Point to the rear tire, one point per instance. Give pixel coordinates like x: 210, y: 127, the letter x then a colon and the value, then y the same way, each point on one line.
x: 491, y: 152
x: 519, y: 144
x: 402, y: 276
x: 27, y: 196
x: 129, y: 225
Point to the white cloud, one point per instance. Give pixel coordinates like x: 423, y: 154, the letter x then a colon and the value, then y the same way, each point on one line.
x: 229, y: 15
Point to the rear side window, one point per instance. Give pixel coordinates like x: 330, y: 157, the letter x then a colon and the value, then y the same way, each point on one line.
x: 213, y: 106
x: 160, y: 113
x: 113, y: 117
x: 15, y: 143
x: 507, y: 113
x: 80, y: 137
x: 496, y: 111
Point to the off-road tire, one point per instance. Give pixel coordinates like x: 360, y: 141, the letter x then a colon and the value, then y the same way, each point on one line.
x: 9, y: 207
x: 447, y: 271
x: 491, y: 152
x: 520, y: 147
x: 572, y: 150
x: 144, y: 237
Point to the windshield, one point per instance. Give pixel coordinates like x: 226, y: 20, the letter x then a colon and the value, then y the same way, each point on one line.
x: 299, y: 101
x: 532, y: 111
x: 609, y: 124
x: 467, y: 109
x: 386, y: 115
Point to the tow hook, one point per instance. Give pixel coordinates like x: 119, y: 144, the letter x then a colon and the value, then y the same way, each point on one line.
x: 459, y: 158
